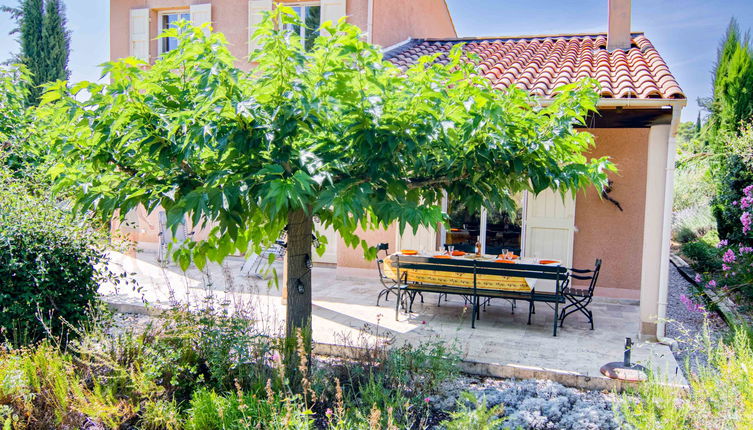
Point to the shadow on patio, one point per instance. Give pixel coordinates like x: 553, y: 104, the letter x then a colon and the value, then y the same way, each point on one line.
x: 345, y: 312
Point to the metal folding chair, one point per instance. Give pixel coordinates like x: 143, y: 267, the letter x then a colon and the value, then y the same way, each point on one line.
x: 255, y: 263
x: 166, y: 237
x: 580, y: 298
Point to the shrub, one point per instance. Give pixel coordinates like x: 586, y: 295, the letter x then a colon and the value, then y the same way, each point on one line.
x: 472, y: 414
x: 685, y: 235
x: 721, y: 395
x: 704, y: 257
x: 50, y: 265
x: 737, y: 257
x: 693, y: 186
x: 732, y: 177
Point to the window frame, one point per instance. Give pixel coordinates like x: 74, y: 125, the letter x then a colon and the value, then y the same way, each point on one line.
x: 302, y: 15
x: 160, y: 24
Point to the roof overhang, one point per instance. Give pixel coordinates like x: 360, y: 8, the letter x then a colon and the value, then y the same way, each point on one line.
x: 633, y: 113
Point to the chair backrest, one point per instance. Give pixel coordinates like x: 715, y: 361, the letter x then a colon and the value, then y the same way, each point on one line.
x: 590, y: 275
x: 167, y: 234
x: 381, y: 247
x: 534, y: 271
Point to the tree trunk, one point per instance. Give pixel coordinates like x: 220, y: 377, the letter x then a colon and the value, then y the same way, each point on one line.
x: 297, y: 274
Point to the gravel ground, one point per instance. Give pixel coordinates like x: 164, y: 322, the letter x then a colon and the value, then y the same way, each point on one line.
x: 687, y: 326
x: 536, y: 404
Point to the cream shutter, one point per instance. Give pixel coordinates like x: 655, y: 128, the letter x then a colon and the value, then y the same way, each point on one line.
x: 201, y: 14
x: 333, y: 10
x: 423, y: 240
x: 139, y: 25
x: 256, y: 9
x: 549, y: 230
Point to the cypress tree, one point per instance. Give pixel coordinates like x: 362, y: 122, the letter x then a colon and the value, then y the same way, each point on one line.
x: 731, y: 107
x: 57, y: 40
x: 32, y: 46
x: 44, y: 42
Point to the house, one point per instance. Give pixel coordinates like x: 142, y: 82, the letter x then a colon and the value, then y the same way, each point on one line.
x: 628, y: 226
x: 135, y: 24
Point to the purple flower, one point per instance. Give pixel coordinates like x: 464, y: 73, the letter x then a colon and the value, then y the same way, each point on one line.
x: 725, y: 267
x: 328, y: 412
x: 697, y: 277
x: 427, y: 400
x: 734, y: 203
x: 746, y: 202
x: 745, y: 250
x: 729, y: 256
x: 690, y: 304
x: 712, y: 283
x: 748, y: 190
x: 722, y: 243
x: 746, y: 221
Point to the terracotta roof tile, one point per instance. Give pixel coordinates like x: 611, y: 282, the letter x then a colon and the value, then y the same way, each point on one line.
x: 541, y: 64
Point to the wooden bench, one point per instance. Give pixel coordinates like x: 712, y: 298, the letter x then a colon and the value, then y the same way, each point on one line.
x: 403, y: 265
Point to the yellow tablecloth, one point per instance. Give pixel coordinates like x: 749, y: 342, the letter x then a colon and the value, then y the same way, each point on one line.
x: 457, y: 279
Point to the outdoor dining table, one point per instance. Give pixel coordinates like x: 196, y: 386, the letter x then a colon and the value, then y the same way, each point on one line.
x: 459, y: 279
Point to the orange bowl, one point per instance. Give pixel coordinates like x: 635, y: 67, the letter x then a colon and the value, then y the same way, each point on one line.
x: 549, y: 261
x: 458, y: 253
x: 408, y: 252
x: 505, y: 261
x: 441, y: 256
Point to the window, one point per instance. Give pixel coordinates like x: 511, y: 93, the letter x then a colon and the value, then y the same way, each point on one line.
x: 310, y: 14
x: 495, y: 231
x: 170, y: 20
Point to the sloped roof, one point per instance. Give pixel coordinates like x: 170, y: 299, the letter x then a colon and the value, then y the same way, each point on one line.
x: 540, y: 64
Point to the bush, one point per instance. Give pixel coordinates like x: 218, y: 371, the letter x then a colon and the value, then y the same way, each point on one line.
x: 720, y: 396
x: 472, y: 414
x: 685, y: 235
x: 704, y: 257
x: 732, y: 176
x: 50, y: 265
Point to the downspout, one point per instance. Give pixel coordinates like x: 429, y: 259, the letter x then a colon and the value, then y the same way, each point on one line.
x: 666, y: 231
x: 370, y: 21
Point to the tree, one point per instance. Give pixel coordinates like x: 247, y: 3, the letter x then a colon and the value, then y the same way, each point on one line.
x: 56, y: 40
x: 44, y: 42
x: 333, y: 133
x: 731, y: 107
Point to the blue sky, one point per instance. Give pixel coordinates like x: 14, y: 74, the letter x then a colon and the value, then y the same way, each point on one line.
x: 686, y: 32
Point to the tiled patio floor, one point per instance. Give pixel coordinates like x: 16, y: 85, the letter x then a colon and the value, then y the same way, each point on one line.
x: 343, y: 307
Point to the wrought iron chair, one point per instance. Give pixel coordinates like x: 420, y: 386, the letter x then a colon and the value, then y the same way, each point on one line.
x: 389, y: 284
x: 580, y: 298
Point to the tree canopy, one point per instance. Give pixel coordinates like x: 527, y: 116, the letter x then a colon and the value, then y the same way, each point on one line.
x: 331, y: 132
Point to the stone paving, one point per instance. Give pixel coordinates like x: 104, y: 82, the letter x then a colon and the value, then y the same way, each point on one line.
x: 344, y: 312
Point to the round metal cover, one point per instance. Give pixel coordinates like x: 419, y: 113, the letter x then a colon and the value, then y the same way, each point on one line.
x: 618, y: 370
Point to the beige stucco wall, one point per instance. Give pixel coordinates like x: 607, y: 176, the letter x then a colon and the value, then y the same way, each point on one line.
x: 353, y: 257
x: 228, y: 16
x: 397, y: 20
x: 605, y: 232
x: 394, y: 21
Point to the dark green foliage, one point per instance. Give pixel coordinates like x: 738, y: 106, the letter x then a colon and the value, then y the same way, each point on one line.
x: 704, y: 257
x: 44, y: 42
x: 731, y: 107
x: 57, y: 40
x: 32, y: 45
x: 732, y: 175
x: 47, y: 265
x: 685, y: 234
